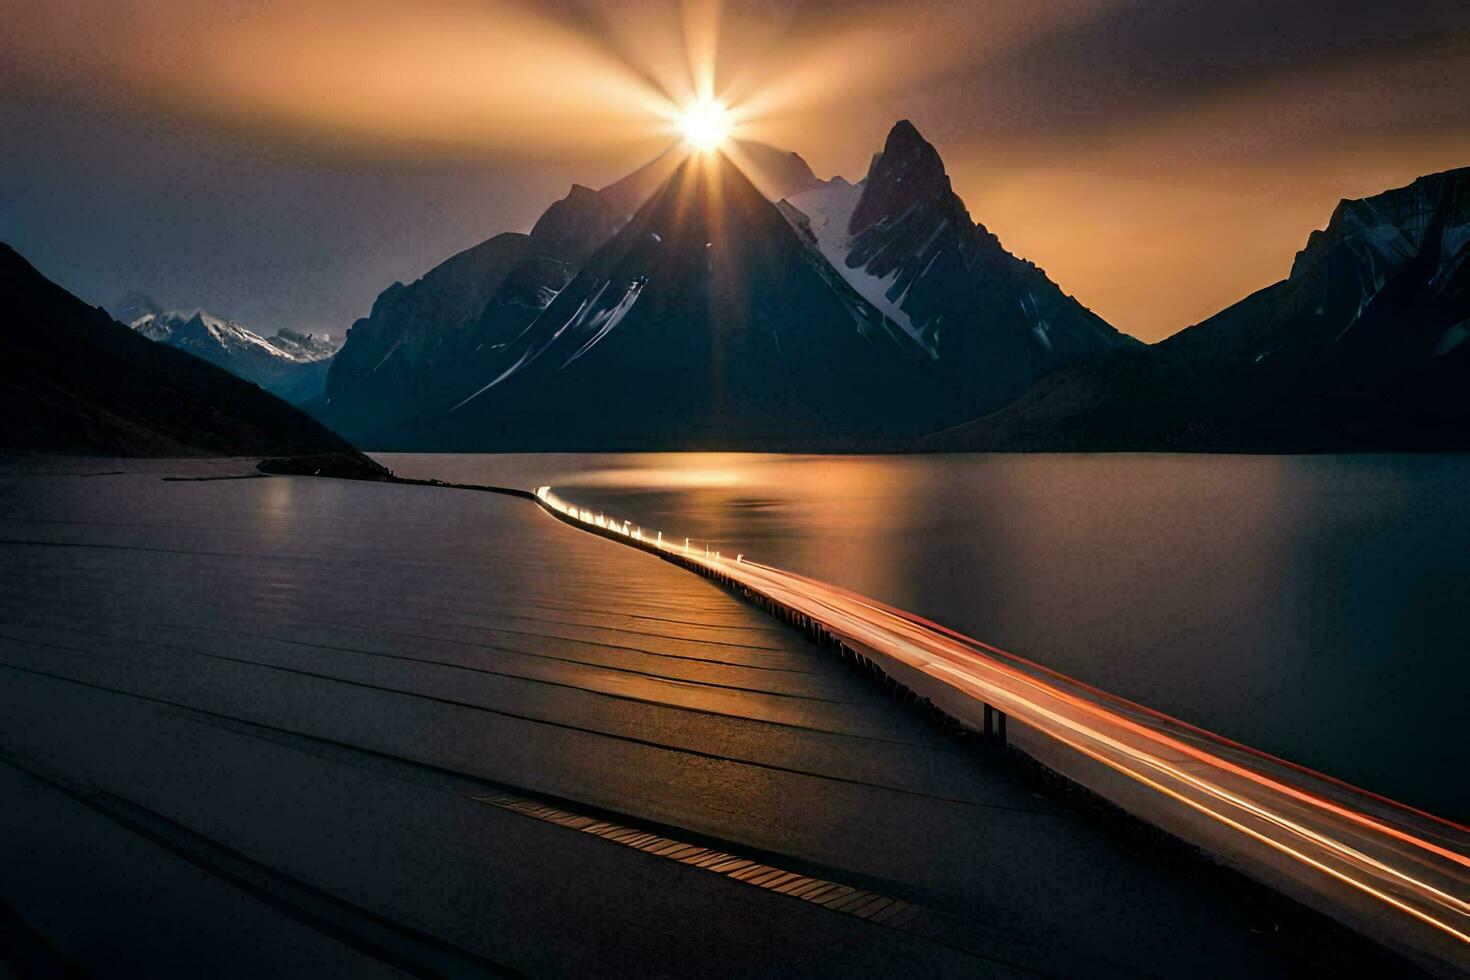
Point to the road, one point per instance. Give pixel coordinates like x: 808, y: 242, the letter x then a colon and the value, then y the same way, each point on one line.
x: 1384, y: 868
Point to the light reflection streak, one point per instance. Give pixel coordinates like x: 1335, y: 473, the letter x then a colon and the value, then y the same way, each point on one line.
x: 1401, y: 859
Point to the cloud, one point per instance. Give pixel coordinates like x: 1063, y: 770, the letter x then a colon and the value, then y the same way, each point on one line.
x: 495, y: 75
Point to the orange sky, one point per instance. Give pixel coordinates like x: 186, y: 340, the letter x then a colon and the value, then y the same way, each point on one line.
x: 1159, y: 160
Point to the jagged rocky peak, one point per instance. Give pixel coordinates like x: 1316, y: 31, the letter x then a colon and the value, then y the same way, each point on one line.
x: 905, y: 242
x: 1390, y: 227
x: 907, y: 184
x: 908, y: 170
x: 907, y: 216
x: 1386, y: 266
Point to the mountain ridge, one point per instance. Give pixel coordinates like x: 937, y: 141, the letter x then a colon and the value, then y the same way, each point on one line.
x: 77, y: 381
x: 290, y: 364
x: 909, y: 244
x: 690, y: 326
x: 1360, y: 348
x: 979, y: 351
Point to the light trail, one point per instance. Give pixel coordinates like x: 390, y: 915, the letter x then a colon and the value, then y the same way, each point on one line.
x: 1396, y: 872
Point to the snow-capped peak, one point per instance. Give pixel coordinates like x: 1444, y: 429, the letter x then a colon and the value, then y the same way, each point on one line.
x: 198, y: 330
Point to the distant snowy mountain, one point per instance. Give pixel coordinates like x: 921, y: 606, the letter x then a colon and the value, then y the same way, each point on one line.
x: 1362, y: 347
x: 290, y: 364
x: 77, y: 382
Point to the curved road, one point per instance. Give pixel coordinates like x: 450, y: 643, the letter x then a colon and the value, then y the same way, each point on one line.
x: 1384, y: 868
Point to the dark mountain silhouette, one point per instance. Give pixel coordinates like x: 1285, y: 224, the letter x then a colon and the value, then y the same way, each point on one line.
x: 987, y: 323
x: 388, y: 362
x: 561, y: 241
x: 423, y: 341
x: 77, y: 381
x: 425, y: 345
x: 702, y: 322
x: 1361, y: 347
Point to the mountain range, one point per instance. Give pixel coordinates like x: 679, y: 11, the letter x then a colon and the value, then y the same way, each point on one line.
x: 701, y: 303
x: 1361, y: 347
x: 76, y: 381
x: 290, y: 364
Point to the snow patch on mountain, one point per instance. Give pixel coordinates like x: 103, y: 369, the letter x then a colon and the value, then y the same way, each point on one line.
x: 304, y: 347
x: 598, y: 319
x: 828, y: 210
x: 594, y: 319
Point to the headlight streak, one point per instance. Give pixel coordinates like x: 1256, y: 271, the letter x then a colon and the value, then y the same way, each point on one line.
x: 1003, y: 699
x: 1149, y: 748
x: 1123, y: 704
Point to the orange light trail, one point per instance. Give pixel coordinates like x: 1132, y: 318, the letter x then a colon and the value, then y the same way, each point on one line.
x: 1173, y: 743
x: 1281, y: 817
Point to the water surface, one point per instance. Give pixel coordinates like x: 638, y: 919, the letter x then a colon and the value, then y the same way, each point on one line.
x: 1311, y: 606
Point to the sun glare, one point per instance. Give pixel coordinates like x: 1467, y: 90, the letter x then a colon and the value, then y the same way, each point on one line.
x: 705, y: 125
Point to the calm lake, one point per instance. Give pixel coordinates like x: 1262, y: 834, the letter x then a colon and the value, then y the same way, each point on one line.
x: 1317, y: 607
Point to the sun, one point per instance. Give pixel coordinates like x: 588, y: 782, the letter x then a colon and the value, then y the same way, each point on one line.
x: 705, y: 125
